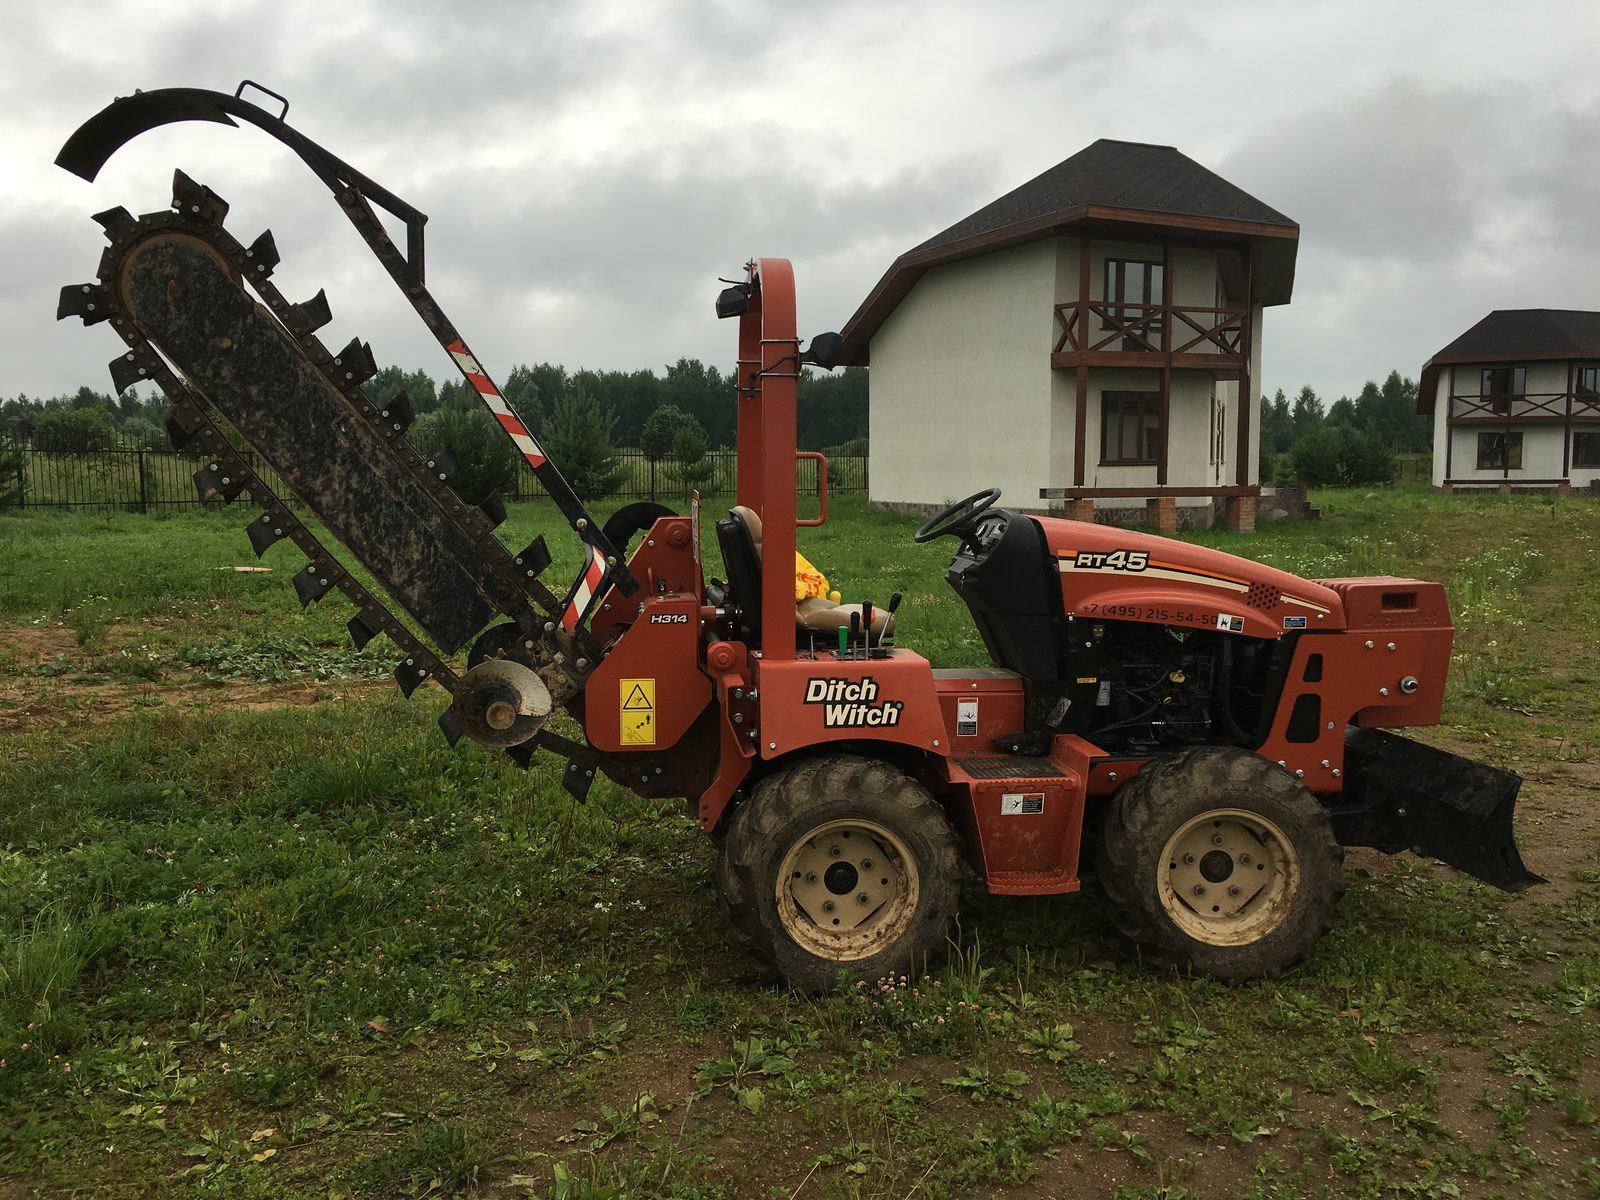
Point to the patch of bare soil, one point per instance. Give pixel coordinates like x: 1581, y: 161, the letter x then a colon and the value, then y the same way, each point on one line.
x: 41, y: 703
x: 32, y: 697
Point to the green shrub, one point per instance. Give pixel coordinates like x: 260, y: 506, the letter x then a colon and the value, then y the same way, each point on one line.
x: 73, y: 430
x: 579, y: 441
x: 1339, y: 456
x: 10, y: 474
x: 485, y: 457
x: 661, y: 428
x: 690, y: 467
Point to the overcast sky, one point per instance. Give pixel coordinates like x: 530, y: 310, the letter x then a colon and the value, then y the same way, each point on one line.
x: 590, y: 168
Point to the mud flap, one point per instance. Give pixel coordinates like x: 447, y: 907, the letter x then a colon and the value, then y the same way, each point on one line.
x: 1403, y: 795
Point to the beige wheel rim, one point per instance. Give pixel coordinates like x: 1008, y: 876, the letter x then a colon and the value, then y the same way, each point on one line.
x: 1228, y: 877
x: 846, y: 890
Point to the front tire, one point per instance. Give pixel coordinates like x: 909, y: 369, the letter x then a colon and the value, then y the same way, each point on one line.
x: 839, y: 865
x: 1220, y: 862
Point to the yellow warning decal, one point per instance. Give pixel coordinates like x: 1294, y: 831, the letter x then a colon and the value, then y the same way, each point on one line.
x: 637, y: 718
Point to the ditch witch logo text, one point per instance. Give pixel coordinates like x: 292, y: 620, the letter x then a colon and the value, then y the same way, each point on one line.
x: 852, y: 703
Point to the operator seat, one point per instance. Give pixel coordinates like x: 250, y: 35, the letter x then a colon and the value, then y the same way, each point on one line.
x: 740, y: 538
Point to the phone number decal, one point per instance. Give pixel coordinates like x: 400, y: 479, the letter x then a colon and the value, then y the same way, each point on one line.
x: 1145, y: 612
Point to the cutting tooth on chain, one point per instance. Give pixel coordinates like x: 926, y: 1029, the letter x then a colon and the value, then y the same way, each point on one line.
x: 360, y: 632
x: 90, y: 301
x: 493, y: 510
x: 354, y: 365
x: 179, y: 430
x: 535, y: 557
x: 118, y: 222
x: 443, y: 465
x: 217, y: 479
x: 397, y: 413
x: 409, y: 674
x: 265, y: 530
x: 309, y: 315
x: 127, y: 370
x: 196, y: 200
x: 312, y: 582
x: 263, y: 255
x: 450, y: 726
x: 577, y: 780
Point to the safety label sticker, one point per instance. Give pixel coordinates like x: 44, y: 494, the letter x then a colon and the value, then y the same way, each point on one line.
x: 1021, y: 804
x: 967, y: 717
x: 1294, y: 622
x: 637, y: 719
x: 1230, y: 624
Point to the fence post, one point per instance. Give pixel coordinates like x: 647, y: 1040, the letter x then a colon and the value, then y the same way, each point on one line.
x: 652, y: 479
x: 144, y: 497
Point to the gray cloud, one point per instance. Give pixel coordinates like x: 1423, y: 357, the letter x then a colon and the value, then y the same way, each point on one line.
x: 590, y: 168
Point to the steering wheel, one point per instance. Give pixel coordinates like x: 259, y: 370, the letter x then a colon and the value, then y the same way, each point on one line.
x: 958, y: 518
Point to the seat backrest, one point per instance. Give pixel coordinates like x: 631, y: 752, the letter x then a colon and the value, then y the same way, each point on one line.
x: 743, y: 564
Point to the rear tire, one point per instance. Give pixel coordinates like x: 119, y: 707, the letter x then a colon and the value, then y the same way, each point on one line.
x: 839, y: 866
x: 1220, y: 862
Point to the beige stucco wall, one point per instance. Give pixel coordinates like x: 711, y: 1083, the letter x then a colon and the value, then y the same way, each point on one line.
x: 960, y: 382
x: 1441, y: 409
x: 1189, y: 443
x: 963, y: 395
x: 1542, y: 444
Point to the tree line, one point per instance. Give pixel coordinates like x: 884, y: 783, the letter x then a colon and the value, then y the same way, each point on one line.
x: 1349, y: 443
x: 832, y: 409
x: 582, y: 418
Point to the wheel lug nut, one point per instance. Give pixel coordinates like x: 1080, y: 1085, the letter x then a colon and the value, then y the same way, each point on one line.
x: 1216, y: 840
x: 1188, y: 859
x: 1233, y: 891
x: 866, y: 864
x: 834, y: 852
x: 863, y: 898
x: 811, y: 877
x: 1245, y: 859
x: 1199, y: 889
x: 827, y: 906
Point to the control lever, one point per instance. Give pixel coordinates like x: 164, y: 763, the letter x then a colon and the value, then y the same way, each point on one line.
x: 855, y: 627
x: 894, y: 603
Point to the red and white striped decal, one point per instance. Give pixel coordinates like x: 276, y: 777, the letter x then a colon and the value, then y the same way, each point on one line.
x: 587, y: 588
x: 515, y: 429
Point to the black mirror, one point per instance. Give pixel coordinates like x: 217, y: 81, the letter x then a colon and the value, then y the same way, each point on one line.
x: 734, y: 301
x: 824, y: 351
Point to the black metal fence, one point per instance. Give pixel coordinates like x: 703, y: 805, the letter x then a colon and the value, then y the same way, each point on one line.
x: 136, y: 480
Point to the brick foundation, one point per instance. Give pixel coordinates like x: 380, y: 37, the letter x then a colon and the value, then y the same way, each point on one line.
x: 1080, y: 510
x: 1241, y: 514
x: 1161, y: 513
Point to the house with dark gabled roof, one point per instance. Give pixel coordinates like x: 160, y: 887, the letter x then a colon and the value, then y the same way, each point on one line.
x: 1085, y: 340
x: 1515, y: 402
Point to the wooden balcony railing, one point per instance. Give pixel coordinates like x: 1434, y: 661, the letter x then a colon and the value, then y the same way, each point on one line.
x: 1106, y: 326
x: 1527, y: 407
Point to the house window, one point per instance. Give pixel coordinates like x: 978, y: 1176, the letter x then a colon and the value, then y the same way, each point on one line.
x: 1130, y: 282
x: 1499, y: 451
x: 1502, y: 385
x: 1589, y: 383
x: 1130, y: 428
x: 1586, y: 449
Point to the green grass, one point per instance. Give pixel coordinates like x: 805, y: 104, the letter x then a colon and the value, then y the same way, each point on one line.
x: 311, y: 951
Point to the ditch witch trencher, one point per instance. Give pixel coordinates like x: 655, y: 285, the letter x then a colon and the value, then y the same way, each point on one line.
x: 1220, y: 726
